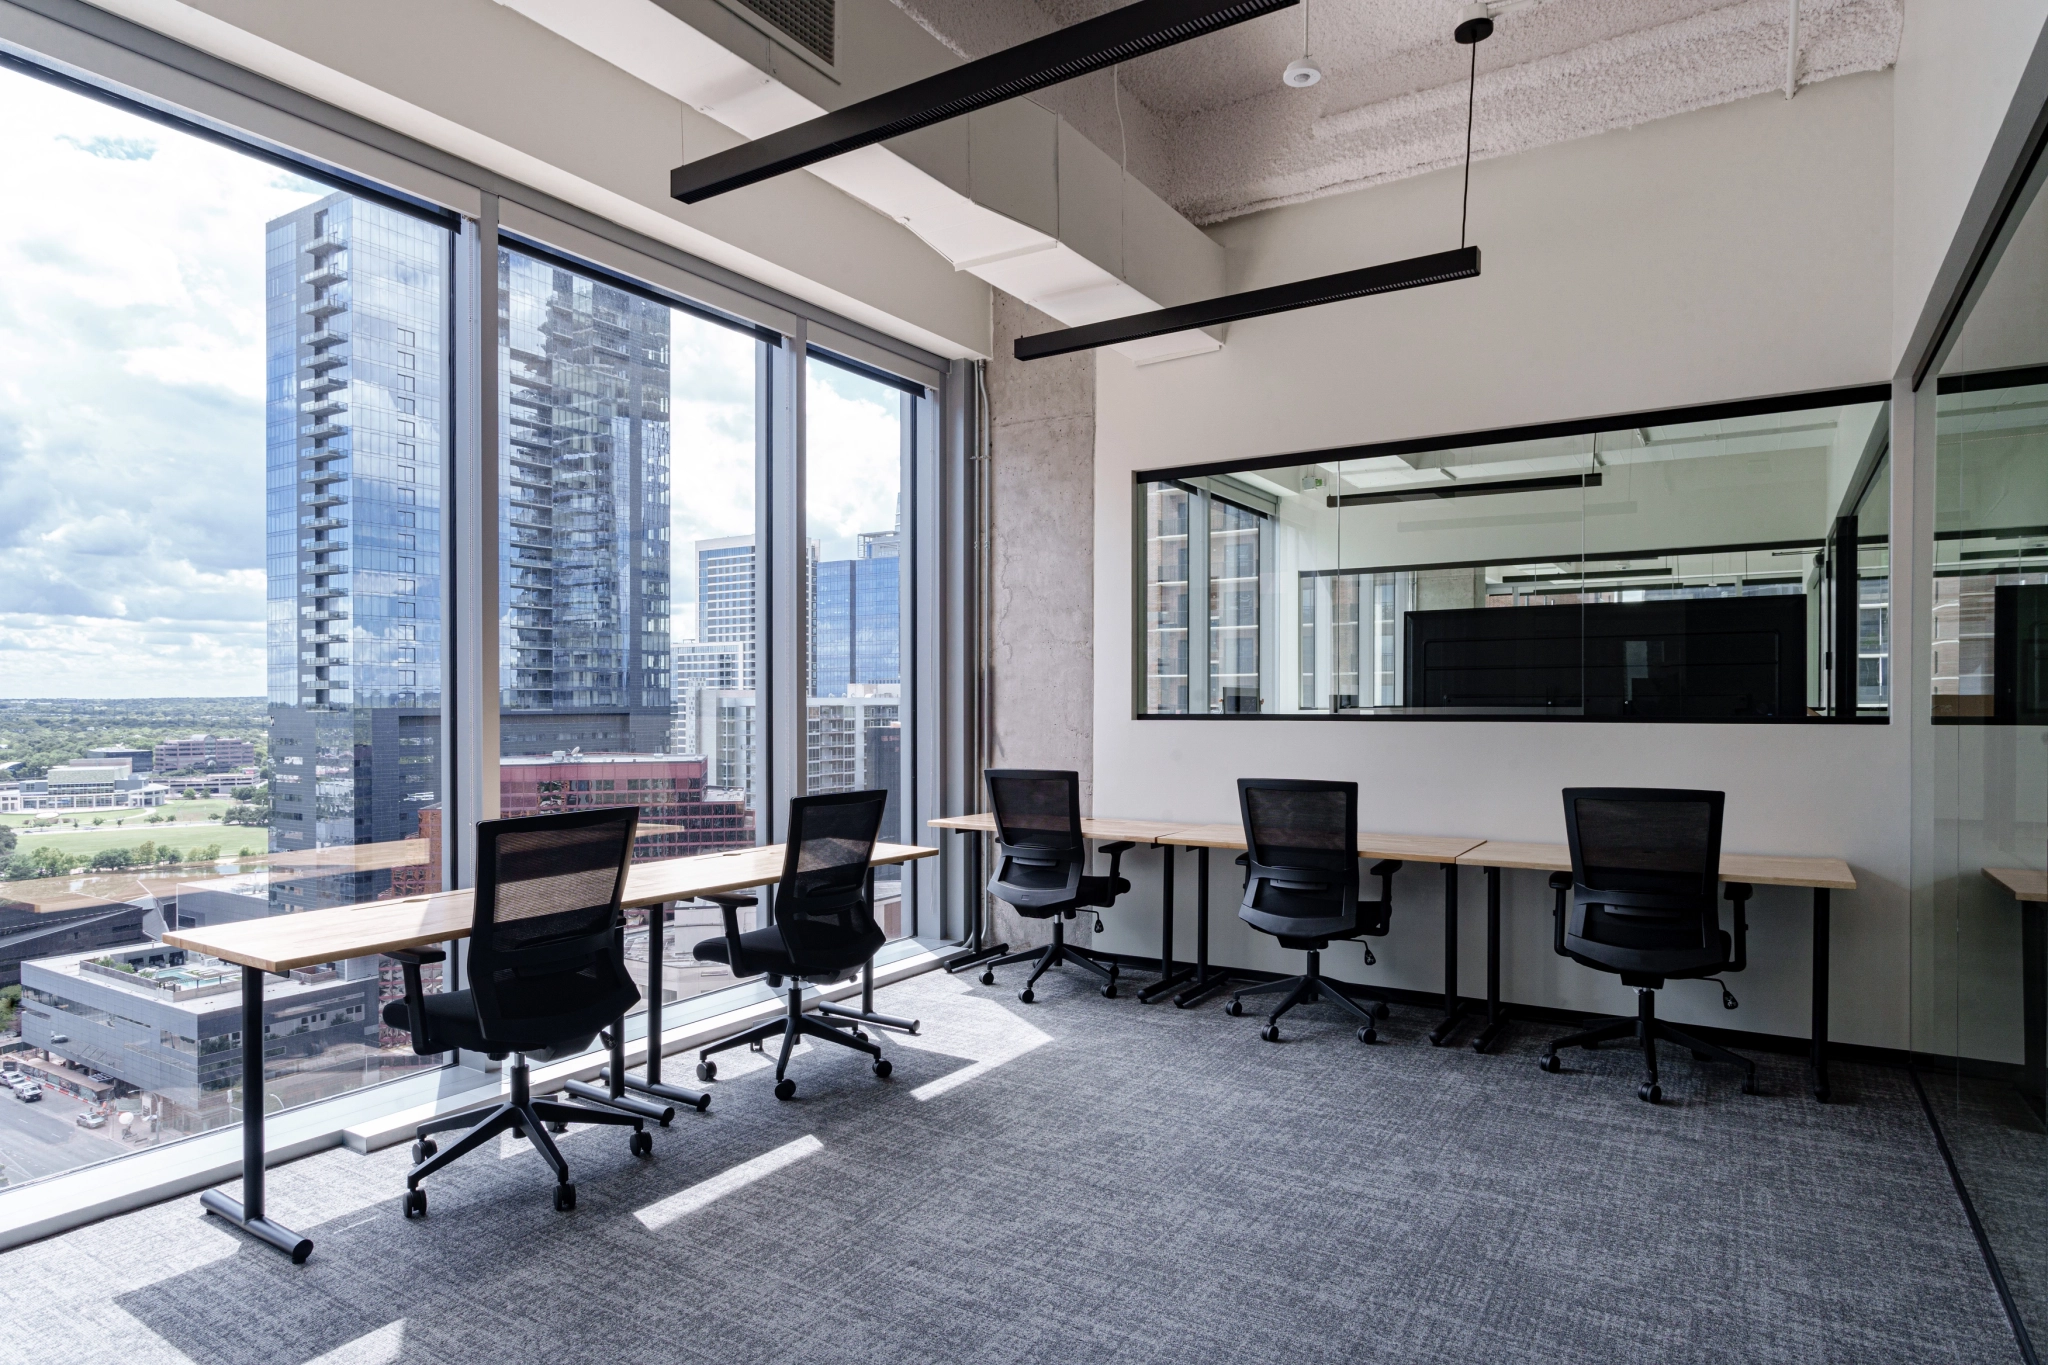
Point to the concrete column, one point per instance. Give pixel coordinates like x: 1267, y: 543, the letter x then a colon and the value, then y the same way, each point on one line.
x: 1042, y: 655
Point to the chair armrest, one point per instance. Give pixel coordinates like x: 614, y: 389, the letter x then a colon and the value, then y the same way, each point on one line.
x: 1385, y: 870
x: 1116, y: 853
x: 410, y: 960
x: 1738, y: 894
x: 730, y: 904
x: 1561, y: 883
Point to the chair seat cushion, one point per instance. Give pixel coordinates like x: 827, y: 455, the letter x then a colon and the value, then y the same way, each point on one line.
x: 763, y: 947
x: 1101, y: 890
x: 451, y: 1019
x: 1679, y: 962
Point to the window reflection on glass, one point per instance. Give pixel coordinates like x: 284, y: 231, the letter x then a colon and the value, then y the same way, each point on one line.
x: 856, y: 709
x: 629, y: 621
x: 220, y: 637
x: 1660, y: 571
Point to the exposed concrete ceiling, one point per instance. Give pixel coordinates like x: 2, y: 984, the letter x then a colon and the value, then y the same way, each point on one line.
x: 1210, y: 127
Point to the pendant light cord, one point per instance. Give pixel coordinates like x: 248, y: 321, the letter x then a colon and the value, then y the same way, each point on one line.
x: 1471, y: 94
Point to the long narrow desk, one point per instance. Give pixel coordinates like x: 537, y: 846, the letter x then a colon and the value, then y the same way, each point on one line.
x: 284, y: 943
x: 1146, y: 832
x: 1821, y: 875
x: 2030, y: 888
x: 1407, y: 848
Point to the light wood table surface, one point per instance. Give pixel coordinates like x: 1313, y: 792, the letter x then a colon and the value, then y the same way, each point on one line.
x: 2025, y: 883
x: 1409, y: 848
x: 1760, y: 869
x: 281, y: 943
x: 1137, y: 831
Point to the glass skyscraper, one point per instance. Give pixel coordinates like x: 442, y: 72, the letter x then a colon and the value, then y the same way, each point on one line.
x: 583, y: 513
x: 356, y: 308
x: 856, y: 620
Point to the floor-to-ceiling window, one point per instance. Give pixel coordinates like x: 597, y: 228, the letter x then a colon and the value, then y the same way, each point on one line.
x: 224, y: 427
x: 856, y: 703
x: 629, y: 624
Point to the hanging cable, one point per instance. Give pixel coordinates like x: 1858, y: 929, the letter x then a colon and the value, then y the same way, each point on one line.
x: 1116, y: 85
x: 1471, y: 96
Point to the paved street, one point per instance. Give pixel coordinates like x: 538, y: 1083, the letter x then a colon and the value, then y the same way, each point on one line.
x: 42, y: 1139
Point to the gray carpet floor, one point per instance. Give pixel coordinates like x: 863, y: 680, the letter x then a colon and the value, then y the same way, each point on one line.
x: 1090, y: 1180
x: 2001, y: 1149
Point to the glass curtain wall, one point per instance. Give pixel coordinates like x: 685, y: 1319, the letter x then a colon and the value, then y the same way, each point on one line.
x: 1693, y: 567
x: 1980, y: 922
x: 858, y: 430
x: 628, y: 620
x: 223, y: 431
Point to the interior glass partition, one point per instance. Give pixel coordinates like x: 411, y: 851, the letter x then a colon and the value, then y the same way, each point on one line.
x: 223, y: 435
x: 1714, y: 564
x: 859, y: 430
x: 1980, y: 940
x: 629, y: 617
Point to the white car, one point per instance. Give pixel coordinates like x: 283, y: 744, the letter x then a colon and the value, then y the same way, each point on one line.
x: 29, y: 1092
x: 91, y: 1120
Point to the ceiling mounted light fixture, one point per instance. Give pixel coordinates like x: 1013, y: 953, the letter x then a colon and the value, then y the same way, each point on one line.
x: 1075, y: 50
x: 1303, y: 72
x: 1474, y: 27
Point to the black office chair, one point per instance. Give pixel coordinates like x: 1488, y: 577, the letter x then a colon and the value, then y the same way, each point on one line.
x: 1041, y: 862
x: 1645, y: 862
x: 1301, y: 885
x: 824, y: 927
x: 547, y: 972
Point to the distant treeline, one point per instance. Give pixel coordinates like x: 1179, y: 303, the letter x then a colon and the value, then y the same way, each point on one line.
x: 37, y: 733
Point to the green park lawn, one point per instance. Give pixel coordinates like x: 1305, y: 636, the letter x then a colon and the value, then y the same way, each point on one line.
x: 195, y: 828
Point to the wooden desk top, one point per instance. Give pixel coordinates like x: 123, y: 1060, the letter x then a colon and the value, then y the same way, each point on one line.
x: 1761, y: 869
x: 280, y: 943
x: 2024, y: 883
x: 1412, y: 848
x: 1138, y: 831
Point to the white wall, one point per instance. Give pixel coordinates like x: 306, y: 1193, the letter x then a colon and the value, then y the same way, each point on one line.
x: 1959, y: 62
x: 1733, y: 252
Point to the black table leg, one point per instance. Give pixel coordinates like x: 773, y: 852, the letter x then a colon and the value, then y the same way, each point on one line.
x: 2034, y: 1005
x: 1206, y: 982
x: 1496, y: 1012
x: 976, y: 953
x: 615, y: 1076
x: 866, y: 1013
x: 1820, y: 994
x: 247, y: 1212
x: 1455, y: 1007
x: 1168, y: 977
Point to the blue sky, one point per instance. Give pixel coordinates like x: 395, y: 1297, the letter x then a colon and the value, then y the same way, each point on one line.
x: 131, y: 410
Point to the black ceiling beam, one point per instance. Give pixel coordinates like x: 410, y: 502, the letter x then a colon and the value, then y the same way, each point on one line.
x: 1076, y: 50
x: 1462, y: 264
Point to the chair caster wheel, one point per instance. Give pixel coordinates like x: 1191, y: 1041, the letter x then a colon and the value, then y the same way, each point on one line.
x: 1379, y: 1010
x: 1109, y: 991
x: 1026, y: 995
x: 785, y: 1090
x: 1749, y: 1086
x: 1368, y: 1034
x: 988, y: 978
x: 641, y: 1144
x: 707, y: 1072
x: 565, y: 1198
x: 554, y: 1127
x: 883, y: 1066
x: 415, y: 1203
x: 1548, y: 1062
x: 859, y: 1034
x: 1649, y: 1094
x: 423, y: 1149
x: 1271, y: 1033
x: 1233, y: 1008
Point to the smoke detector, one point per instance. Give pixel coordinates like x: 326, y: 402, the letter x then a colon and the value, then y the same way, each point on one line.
x: 1302, y: 72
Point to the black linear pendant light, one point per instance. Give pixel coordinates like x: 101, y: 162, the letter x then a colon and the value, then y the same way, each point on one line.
x: 1463, y: 264
x: 1076, y: 50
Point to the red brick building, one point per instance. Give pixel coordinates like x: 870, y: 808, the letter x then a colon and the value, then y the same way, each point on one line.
x: 682, y: 813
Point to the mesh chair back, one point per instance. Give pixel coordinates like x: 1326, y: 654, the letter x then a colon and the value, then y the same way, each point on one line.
x: 546, y: 956
x: 1301, y: 837
x: 821, y: 905
x: 1040, y: 851
x: 1646, y: 863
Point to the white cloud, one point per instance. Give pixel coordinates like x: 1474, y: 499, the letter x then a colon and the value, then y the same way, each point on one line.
x: 855, y: 468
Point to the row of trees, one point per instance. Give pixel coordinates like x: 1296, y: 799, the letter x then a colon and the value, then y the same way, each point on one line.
x: 46, y: 860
